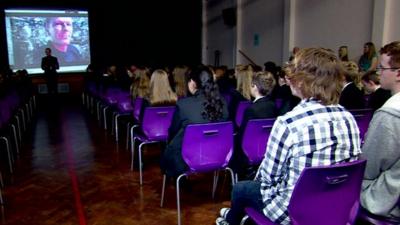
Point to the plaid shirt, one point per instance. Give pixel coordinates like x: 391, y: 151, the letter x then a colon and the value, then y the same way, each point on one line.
x: 310, y: 135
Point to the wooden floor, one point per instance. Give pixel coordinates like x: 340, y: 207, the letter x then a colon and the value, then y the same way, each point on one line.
x: 71, y: 171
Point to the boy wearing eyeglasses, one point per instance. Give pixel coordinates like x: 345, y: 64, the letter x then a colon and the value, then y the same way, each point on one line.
x: 381, y: 185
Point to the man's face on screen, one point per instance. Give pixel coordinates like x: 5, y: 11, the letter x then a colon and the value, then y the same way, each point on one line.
x: 60, y: 30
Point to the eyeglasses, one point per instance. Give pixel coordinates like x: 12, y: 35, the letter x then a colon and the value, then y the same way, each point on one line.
x: 379, y: 68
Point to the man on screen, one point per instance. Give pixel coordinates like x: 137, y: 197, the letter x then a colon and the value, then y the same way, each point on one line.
x: 50, y: 67
x: 60, y: 30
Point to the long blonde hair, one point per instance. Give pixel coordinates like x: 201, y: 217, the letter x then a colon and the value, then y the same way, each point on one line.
x: 244, y: 75
x: 160, y: 90
x: 141, y: 83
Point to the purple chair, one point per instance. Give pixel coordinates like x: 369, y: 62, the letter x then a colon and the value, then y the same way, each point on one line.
x: 326, y: 195
x: 278, y: 103
x: 110, y: 97
x: 255, y: 138
x: 154, y: 128
x: 365, y: 216
x: 242, y: 106
x: 227, y: 98
x: 5, y: 117
x: 205, y: 148
x: 137, y: 108
x: 363, y: 117
x: 124, y: 108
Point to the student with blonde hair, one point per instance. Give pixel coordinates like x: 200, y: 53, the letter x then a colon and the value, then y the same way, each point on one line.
x: 141, y: 83
x: 243, y: 76
x: 160, y: 91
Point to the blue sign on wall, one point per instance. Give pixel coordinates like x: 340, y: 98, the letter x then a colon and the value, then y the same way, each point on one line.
x: 256, y: 40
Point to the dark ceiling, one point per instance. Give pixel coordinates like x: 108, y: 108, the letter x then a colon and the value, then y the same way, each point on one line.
x: 143, y: 32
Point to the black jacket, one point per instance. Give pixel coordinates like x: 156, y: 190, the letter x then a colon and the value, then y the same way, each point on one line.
x: 188, y: 111
x: 352, y: 97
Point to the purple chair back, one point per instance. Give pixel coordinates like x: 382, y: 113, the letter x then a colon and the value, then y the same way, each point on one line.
x: 331, y: 194
x: 367, y: 100
x: 207, y: 147
x: 137, y: 107
x: 2, y: 113
x: 242, y: 106
x: 255, y: 139
x: 156, y: 122
x: 363, y: 117
x: 227, y: 98
x: 5, y: 110
x: 125, y: 103
x: 326, y: 195
x: 278, y: 103
x: 112, y: 94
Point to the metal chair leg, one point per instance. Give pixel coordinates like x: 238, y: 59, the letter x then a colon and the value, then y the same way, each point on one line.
x: 140, y: 163
x: 178, y: 204
x: 105, y: 117
x: 15, y: 138
x: 8, y: 153
x: 216, y: 175
x: 163, y: 190
x: 127, y: 136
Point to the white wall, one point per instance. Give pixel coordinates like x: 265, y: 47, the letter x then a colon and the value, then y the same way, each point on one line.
x: 392, y: 20
x: 330, y: 24
x: 263, y: 18
x: 281, y: 25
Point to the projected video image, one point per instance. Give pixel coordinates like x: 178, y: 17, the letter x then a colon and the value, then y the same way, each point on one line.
x: 30, y: 32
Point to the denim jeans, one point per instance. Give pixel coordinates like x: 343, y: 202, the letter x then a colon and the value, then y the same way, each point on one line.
x: 244, y: 194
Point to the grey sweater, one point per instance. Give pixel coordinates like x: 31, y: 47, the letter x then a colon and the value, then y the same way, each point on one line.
x: 381, y: 185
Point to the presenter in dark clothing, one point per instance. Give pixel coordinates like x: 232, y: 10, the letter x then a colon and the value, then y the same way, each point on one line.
x: 50, y: 67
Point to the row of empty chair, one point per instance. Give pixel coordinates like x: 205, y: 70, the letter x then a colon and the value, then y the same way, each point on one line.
x: 16, y: 113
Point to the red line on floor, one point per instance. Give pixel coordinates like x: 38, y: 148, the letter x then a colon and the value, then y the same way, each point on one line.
x: 71, y: 171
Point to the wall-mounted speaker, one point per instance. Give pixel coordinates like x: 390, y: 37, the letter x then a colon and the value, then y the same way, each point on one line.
x: 229, y: 16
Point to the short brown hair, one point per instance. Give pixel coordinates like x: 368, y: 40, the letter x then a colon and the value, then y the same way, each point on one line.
x: 392, y: 50
x: 371, y: 76
x: 264, y: 81
x: 317, y: 73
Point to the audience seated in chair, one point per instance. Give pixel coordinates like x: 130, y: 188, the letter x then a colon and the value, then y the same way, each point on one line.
x: 206, y: 105
x: 160, y: 92
x: 381, y: 185
x: 372, y: 86
x: 309, y: 135
x: 283, y: 93
x: 262, y: 107
x: 351, y: 97
x: 242, y: 93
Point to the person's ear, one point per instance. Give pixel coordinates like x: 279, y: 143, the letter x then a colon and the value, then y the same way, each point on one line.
x: 398, y: 75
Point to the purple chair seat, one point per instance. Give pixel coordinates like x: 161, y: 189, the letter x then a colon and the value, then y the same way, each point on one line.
x: 326, y: 195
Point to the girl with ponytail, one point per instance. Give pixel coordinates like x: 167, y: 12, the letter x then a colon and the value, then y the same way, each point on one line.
x: 204, y: 106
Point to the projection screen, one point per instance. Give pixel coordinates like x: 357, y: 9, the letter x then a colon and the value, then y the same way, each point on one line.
x: 30, y: 32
